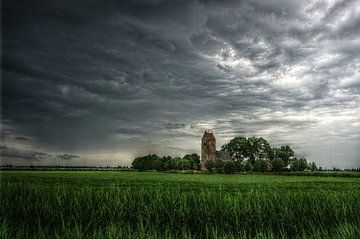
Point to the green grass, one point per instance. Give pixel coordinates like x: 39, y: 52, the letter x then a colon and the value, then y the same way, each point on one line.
x: 85, y: 204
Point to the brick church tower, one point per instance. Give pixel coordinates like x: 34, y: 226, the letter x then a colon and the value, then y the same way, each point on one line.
x: 208, y: 148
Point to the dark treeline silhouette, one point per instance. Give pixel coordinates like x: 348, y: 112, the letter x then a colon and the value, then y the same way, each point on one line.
x: 166, y: 163
x: 247, y: 154
x: 256, y: 154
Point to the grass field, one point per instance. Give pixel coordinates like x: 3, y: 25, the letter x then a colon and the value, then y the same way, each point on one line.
x: 85, y: 204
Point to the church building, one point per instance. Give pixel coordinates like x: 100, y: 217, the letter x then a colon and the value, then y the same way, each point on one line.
x: 208, y: 150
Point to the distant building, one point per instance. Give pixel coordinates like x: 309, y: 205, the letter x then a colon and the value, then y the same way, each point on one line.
x: 208, y: 150
x: 208, y: 146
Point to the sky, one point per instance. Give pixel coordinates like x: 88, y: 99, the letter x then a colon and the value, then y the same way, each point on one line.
x: 92, y: 82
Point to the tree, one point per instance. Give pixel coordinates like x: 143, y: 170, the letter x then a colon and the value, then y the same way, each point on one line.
x: 247, y: 165
x: 184, y: 164
x: 236, y: 148
x: 285, y: 153
x: 239, y: 166
x: 312, y: 166
x: 178, y: 163
x: 250, y: 148
x: 194, y: 160
x: 170, y: 163
x: 148, y: 162
x: 229, y: 167
x: 259, y: 149
x: 260, y: 166
x: 302, y: 164
x: 218, y: 165
x: 277, y: 164
x: 299, y: 164
x: 210, y: 166
x: 161, y: 164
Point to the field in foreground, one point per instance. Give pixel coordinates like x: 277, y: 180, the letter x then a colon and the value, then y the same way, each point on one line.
x: 54, y: 204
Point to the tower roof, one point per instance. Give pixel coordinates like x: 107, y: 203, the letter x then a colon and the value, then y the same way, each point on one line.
x: 209, y: 135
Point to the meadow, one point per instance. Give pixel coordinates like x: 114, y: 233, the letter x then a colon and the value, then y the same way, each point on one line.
x: 115, y: 204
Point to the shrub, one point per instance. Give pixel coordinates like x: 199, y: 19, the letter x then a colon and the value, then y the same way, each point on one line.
x: 277, y: 164
x: 239, y: 166
x: 247, y: 165
x: 210, y: 166
x: 260, y: 166
x: 229, y: 167
x: 148, y: 162
x: 312, y: 166
x: 219, y: 166
x: 299, y: 165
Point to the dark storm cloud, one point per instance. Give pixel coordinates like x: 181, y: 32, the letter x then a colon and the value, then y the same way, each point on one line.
x: 175, y: 125
x: 67, y: 156
x: 127, y: 75
x: 26, y: 154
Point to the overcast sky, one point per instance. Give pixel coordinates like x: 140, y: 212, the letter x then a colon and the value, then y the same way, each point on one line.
x: 92, y: 82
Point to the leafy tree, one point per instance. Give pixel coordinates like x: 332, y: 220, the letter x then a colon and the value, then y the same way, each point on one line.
x: 229, y: 167
x: 312, y: 166
x: 185, y: 164
x: 194, y: 160
x: 239, y: 166
x: 178, y: 163
x: 260, y: 165
x: 277, y: 164
x: 170, y: 163
x: 299, y: 164
x: 236, y: 148
x: 250, y: 148
x: 247, y: 165
x: 210, y: 166
x: 285, y: 153
x: 148, y: 162
x: 302, y: 164
x: 259, y: 149
x: 161, y: 164
x: 218, y: 166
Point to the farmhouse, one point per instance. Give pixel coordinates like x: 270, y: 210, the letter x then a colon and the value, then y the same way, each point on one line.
x: 208, y: 150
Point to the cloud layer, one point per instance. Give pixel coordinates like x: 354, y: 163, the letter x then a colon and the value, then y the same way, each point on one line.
x: 122, y: 78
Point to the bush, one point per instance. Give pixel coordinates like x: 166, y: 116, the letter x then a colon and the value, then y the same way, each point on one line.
x: 239, y: 166
x: 247, y: 165
x: 299, y: 164
x: 277, y: 164
x: 219, y: 166
x: 193, y: 160
x: 210, y: 166
x: 148, y: 162
x: 260, y: 165
x: 312, y: 166
x: 161, y: 164
x: 229, y: 167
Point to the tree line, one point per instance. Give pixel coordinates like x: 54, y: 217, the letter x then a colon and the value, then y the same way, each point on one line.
x: 167, y: 163
x: 247, y: 154
x: 256, y: 154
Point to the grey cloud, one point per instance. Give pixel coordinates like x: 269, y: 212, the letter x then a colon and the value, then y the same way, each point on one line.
x: 6, y: 136
x: 132, y: 131
x: 26, y: 154
x: 175, y: 125
x: 22, y: 138
x: 112, y: 75
x: 30, y: 155
x: 336, y: 10
x: 68, y: 156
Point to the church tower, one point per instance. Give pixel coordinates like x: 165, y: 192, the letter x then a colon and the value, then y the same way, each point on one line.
x: 208, y: 148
